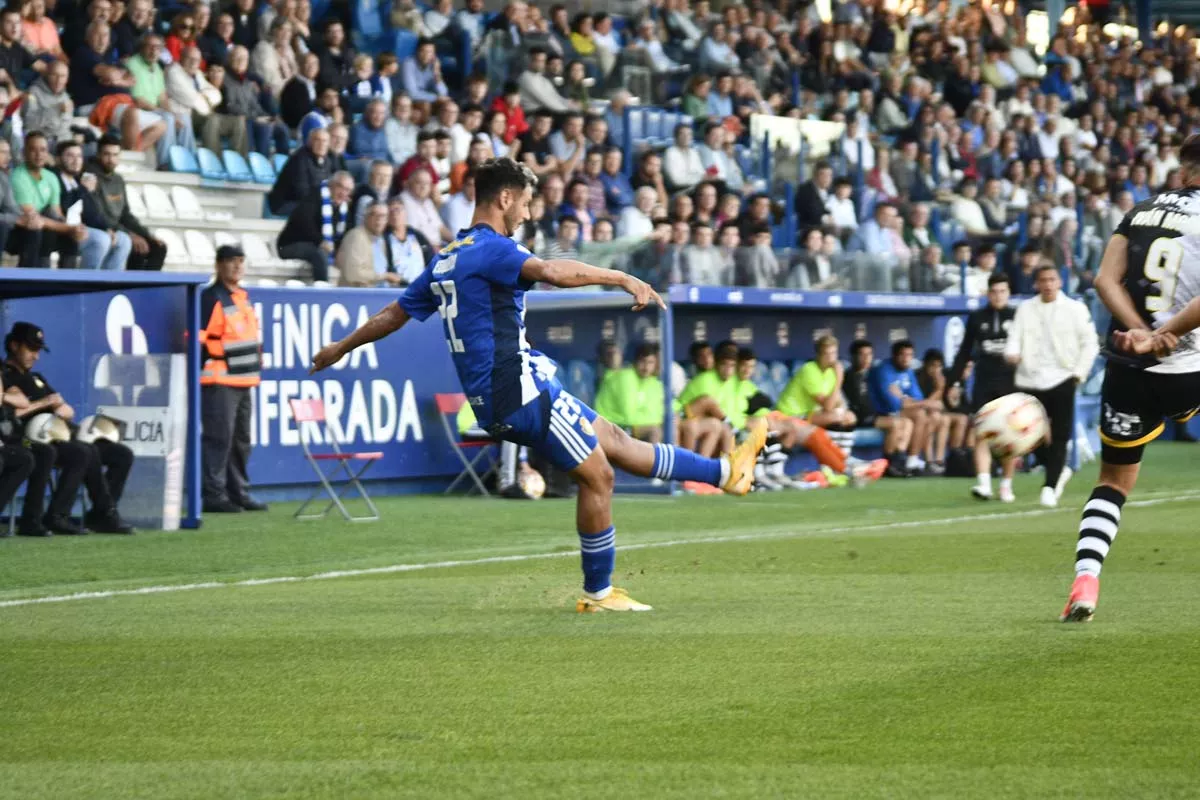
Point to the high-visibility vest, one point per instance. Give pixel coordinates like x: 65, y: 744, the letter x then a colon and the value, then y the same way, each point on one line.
x: 232, y: 355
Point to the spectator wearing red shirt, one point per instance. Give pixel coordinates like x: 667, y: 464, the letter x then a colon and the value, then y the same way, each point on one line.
x: 510, y: 104
x: 426, y: 152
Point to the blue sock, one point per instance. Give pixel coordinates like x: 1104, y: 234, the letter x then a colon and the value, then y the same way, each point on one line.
x: 676, y: 464
x: 598, y: 552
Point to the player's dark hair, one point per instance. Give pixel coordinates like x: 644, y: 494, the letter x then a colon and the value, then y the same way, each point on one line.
x: 497, y: 174
x: 997, y: 278
x: 1030, y: 247
x: 933, y: 354
x: 108, y: 140
x: 1189, y: 152
x: 746, y: 354
x: 696, y: 347
x: 858, y: 345
x: 645, y: 350
x: 903, y: 344
x: 1040, y: 268
x: 726, y: 351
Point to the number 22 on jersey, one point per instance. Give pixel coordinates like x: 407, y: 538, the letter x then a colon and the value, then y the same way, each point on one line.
x: 1163, y: 260
x: 448, y: 308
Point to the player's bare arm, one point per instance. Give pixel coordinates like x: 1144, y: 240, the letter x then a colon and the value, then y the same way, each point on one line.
x: 1110, y: 286
x: 568, y: 274
x: 385, y: 322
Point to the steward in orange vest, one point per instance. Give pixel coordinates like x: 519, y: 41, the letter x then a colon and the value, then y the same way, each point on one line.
x: 231, y: 364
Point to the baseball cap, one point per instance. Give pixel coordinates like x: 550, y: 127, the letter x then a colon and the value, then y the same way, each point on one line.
x: 28, y: 334
x: 228, y: 251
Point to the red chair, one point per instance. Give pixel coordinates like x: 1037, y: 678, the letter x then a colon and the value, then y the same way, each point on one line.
x: 310, y: 414
x: 448, y: 406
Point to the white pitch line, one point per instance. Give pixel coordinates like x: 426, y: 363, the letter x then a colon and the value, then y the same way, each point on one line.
x: 473, y: 562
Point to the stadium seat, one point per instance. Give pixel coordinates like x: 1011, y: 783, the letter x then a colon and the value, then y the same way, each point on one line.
x: 199, y: 247
x: 448, y: 406
x: 279, y: 159
x: 404, y: 44
x: 210, y: 165
x: 183, y: 160
x: 868, y: 437
x: 137, y: 206
x: 260, y: 165
x: 267, y: 282
x: 158, y: 203
x: 309, y: 416
x: 222, y: 238
x: 653, y: 125
x: 236, y: 167
x: 186, y: 204
x: 295, y: 283
x: 635, y: 125
x: 255, y: 248
x: 176, y: 250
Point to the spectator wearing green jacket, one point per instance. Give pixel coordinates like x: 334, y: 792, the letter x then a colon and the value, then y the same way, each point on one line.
x: 633, y: 397
x: 149, y: 94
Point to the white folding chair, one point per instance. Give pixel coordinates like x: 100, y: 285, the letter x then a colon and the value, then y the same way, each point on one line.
x: 255, y: 248
x: 137, y: 206
x: 309, y: 416
x: 222, y: 238
x: 200, y: 247
x: 176, y: 250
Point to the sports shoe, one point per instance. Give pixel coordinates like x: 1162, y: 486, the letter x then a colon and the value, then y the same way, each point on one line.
x: 1048, y: 499
x: 981, y: 492
x: 742, y: 461
x: 764, y: 481
x: 617, y: 600
x: 1006, y: 495
x: 1081, y: 605
x: 1065, y: 476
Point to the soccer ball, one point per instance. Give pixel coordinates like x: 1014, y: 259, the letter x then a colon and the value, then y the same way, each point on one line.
x: 1013, y: 425
x: 533, y: 483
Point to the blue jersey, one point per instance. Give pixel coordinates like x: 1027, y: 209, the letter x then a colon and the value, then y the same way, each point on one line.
x: 475, y: 284
x: 883, y: 377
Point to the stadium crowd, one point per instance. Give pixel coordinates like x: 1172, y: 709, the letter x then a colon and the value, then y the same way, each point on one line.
x: 964, y: 151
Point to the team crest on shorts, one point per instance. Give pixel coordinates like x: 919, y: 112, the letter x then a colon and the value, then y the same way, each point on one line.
x: 1120, y: 423
x: 586, y: 426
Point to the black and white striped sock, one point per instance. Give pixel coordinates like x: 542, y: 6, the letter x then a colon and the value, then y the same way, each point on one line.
x: 1097, y: 529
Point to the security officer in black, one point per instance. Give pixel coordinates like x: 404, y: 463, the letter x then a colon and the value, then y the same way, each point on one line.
x: 16, y: 463
x: 29, y: 394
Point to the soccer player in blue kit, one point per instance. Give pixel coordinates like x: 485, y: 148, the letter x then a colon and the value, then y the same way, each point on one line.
x: 477, y: 284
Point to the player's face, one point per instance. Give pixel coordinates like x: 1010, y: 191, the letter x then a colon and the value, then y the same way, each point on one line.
x: 828, y: 356
x: 646, y: 366
x: 998, y: 295
x: 746, y: 368
x: 26, y: 357
x: 518, y: 211
x: 726, y: 367
x: 904, y: 358
x: 1048, y: 284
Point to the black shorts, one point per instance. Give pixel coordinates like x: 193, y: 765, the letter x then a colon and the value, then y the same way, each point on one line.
x: 1134, y: 403
x: 985, y: 391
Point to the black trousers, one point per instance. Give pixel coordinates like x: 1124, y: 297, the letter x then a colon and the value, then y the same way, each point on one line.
x: 152, y: 260
x: 1059, y: 403
x: 313, y: 254
x: 15, y: 465
x: 33, y: 248
x: 103, y: 467
x: 225, y: 442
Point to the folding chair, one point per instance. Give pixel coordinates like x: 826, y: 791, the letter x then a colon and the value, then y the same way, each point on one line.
x: 310, y: 414
x: 448, y: 406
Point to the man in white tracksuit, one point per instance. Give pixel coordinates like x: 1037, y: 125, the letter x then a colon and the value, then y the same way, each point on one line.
x: 1053, y: 342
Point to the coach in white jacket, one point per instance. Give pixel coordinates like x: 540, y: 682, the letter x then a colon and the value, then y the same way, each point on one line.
x: 189, y: 92
x: 1053, y: 342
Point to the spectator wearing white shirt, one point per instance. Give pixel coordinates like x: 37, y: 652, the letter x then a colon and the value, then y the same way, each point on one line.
x: 716, y: 162
x: 438, y: 18
x: 856, y: 147
x: 190, y: 93
x: 1053, y: 343
x: 681, y: 163
x: 470, y: 21
x: 716, y: 54
x: 460, y: 208
x: 1047, y: 138
x: 635, y: 220
x: 840, y: 205
x: 648, y: 42
x: 406, y: 253
x: 401, y: 130
x: 568, y: 143
x: 422, y: 213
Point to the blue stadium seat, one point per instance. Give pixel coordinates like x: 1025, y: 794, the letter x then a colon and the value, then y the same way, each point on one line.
x: 279, y: 160
x: 236, y: 167
x: 404, y: 44
x: 635, y: 128
x: 368, y: 27
x: 684, y: 119
x: 260, y: 165
x: 183, y: 160
x: 868, y: 437
x: 210, y: 165
x: 780, y: 374
x: 581, y: 380
x: 653, y: 124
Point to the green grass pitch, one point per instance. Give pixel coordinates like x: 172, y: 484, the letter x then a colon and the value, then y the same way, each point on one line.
x: 899, y: 641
